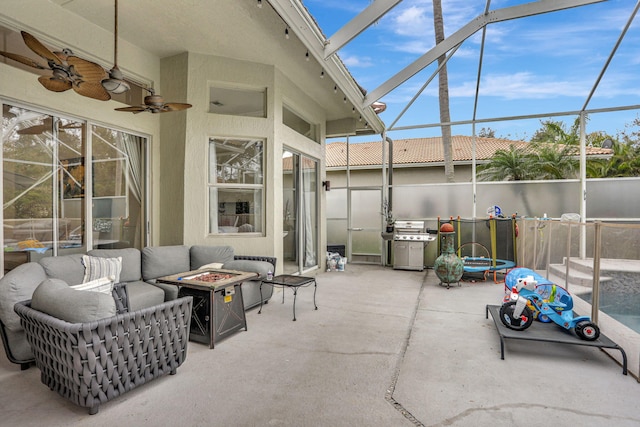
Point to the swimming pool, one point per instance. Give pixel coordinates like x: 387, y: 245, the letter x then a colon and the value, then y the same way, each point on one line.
x: 623, y: 307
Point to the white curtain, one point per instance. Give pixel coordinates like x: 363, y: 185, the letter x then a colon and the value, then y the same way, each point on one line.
x: 309, y: 168
x: 133, y: 149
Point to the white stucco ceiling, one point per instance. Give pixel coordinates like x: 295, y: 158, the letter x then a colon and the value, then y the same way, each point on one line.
x: 228, y: 28
x: 168, y: 27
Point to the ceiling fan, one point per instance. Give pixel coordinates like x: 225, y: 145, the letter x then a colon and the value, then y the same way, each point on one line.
x: 155, y: 104
x: 115, y: 83
x: 69, y: 71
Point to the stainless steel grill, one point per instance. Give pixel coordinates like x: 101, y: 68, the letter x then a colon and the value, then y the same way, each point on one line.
x: 411, y: 230
x: 409, y: 240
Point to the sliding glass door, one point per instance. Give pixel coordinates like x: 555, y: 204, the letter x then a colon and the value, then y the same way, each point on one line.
x: 47, y: 209
x: 300, y: 212
x: 118, y: 172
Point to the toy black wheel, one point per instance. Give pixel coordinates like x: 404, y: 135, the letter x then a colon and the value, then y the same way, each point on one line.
x: 516, y: 323
x: 588, y: 331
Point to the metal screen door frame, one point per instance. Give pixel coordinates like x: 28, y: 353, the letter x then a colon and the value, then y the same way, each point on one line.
x: 365, y: 225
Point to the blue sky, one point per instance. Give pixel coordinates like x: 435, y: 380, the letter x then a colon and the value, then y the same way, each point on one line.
x: 540, y: 64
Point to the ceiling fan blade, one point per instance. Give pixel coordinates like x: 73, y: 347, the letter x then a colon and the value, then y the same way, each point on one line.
x: 23, y: 60
x: 176, y: 106
x: 34, y: 130
x: 91, y: 90
x: 86, y: 70
x: 35, y: 45
x: 37, y: 129
x: 53, y: 84
x: 132, y: 109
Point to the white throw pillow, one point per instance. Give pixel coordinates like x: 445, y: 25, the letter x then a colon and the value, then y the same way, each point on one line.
x: 103, y: 284
x: 214, y: 265
x: 98, y: 267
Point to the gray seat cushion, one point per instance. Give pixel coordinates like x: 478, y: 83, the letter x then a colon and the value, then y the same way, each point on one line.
x: 251, y: 293
x: 57, y: 299
x: 131, y: 257
x: 18, y: 285
x: 201, y: 255
x: 68, y: 268
x: 143, y: 295
x: 161, y: 261
x: 170, y: 291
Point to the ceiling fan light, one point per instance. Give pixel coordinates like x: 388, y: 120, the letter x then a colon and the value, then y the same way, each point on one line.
x: 115, y: 83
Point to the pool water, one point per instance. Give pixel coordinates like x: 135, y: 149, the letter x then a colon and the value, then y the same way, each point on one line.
x: 625, y: 308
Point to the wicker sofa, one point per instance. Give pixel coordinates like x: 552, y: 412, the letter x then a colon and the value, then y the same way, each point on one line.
x: 140, y: 269
x: 90, y: 363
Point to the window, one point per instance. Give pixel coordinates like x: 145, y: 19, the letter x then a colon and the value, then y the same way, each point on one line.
x: 43, y: 182
x: 118, y: 171
x: 46, y: 182
x: 300, y: 125
x: 236, y: 186
x: 238, y: 102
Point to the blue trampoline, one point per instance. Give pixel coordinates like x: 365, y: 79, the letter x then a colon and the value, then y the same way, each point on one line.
x: 499, y: 234
x: 482, y: 264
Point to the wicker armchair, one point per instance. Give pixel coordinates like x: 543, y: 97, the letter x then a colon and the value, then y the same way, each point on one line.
x: 91, y: 363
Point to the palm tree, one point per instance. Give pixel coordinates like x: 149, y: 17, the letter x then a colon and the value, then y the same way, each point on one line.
x: 508, y: 165
x: 554, y: 161
x: 443, y: 94
x: 625, y: 161
x: 539, y: 161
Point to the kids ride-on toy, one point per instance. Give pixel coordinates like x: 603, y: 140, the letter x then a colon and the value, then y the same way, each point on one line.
x: 531, y: 296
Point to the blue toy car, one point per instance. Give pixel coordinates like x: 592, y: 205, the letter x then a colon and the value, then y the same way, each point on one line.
x: 535, y: 297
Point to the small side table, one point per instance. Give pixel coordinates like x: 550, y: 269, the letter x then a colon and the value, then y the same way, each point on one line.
x: 290, y: 281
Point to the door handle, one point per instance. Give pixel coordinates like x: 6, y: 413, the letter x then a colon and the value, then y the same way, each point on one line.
x: 356, y: 229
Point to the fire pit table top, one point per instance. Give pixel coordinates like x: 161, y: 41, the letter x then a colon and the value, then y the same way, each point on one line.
x: 207, y: 278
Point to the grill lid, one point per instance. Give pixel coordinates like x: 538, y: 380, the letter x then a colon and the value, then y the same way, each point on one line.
x: 413, y: 226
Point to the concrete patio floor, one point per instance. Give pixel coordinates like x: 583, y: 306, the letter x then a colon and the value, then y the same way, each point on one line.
x: 385, y: 348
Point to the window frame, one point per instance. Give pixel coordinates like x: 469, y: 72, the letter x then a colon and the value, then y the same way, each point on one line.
x: 215, y: 225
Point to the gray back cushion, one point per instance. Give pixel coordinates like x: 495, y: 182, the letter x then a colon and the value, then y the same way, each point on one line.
x: 201, y: 255
x: 57, y: 299
x: 158, y: 261
x: 131, y: 257
x: 18, y: 285
x: 67, y: 267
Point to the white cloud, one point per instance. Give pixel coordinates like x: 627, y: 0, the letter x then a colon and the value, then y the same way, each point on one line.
x: 357, y: 61
x: 523, y: 85
x: 413, y: 22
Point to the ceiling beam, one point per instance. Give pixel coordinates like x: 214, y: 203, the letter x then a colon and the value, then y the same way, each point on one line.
x: 499, y: 15
x: 361, y: 22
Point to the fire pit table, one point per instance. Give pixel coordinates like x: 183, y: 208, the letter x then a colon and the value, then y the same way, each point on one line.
x: 218, y: 308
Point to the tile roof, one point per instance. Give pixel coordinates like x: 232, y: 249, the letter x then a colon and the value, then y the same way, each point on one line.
x: 425, y: 150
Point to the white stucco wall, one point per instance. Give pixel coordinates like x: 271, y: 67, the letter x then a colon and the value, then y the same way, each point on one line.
x: 203, y: 72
